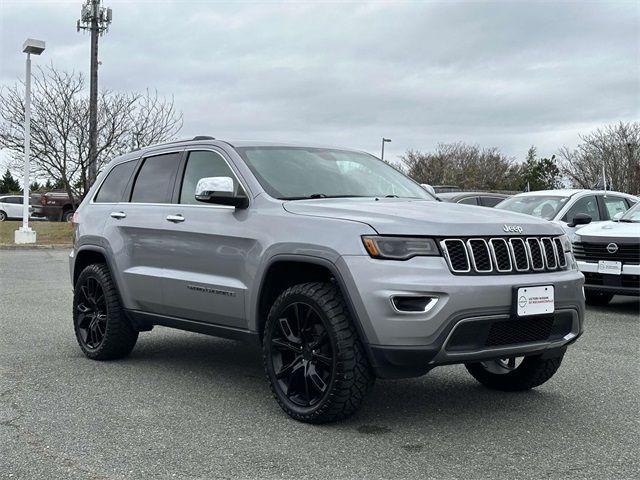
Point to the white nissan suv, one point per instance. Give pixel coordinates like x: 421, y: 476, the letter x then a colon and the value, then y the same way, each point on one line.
x: 608, y: 254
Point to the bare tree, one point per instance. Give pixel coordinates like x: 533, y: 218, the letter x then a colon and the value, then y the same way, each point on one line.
x: 616, y: 147
x: 60, y: 125
x: 466, y: 166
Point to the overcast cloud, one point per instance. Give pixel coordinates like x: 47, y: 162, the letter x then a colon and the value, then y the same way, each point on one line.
x: 505, y: 74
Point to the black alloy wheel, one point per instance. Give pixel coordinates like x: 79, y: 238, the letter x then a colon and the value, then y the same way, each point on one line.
x: 302, y: 355
x: 91, y: 313
x: 313, y: 357
x: 101, y: 326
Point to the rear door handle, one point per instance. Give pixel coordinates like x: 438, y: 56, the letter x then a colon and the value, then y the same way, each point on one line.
x: 118, y: 215
x: 175, y: 218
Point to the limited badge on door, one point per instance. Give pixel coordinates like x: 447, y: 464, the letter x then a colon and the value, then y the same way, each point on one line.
x: 535, y: 300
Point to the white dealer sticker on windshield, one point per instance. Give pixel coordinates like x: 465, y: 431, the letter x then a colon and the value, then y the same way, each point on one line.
x: 535, y: 300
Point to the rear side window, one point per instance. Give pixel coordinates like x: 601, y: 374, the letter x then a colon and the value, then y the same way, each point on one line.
x: 491, y: 201
x: 155, y: 180
x: 14, y: 200
x: 614, y: 205
x: 469, y: 201
x: 113, y: 186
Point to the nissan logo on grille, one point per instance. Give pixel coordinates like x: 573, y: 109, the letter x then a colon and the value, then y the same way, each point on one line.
x: 512, y: 228
x: 612, y: 248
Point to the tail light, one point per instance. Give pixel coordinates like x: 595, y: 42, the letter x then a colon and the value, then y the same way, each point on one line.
x: 74, y: 219
x: 43, y: 199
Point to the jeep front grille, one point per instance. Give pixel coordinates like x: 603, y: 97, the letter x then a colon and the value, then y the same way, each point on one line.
x: 504, y: 255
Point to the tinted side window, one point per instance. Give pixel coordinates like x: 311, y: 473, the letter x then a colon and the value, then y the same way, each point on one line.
x: 587, y: 205
x: 491, y: 201
x: 614, y: 205
x: 155, y: 180
x: 200, y: 165
x: 14, y: 200
x: 113, y: 186
x: 469, y: 201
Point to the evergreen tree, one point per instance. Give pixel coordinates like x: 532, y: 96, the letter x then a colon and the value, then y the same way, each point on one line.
x: 58, y: 185
x: 8, y: 184
x: 540, y: 173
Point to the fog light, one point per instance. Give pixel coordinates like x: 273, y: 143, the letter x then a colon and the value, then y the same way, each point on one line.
x: 413, y: 304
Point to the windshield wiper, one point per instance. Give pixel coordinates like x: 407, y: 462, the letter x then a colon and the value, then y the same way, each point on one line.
x: 628, y: 220
x: 318, y: 195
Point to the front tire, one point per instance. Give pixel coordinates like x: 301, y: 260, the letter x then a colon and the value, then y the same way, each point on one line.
x: 314, y: 360
x: 101, y: 327
x: 514, y: 375
x: 599, y: 299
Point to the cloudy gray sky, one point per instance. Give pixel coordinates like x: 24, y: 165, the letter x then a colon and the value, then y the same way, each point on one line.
x: 505, y: 74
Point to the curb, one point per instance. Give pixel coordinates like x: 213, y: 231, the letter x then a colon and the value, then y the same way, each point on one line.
x: 53, y: 246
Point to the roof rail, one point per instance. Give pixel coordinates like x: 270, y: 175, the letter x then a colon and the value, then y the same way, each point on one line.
x: 203, y: 137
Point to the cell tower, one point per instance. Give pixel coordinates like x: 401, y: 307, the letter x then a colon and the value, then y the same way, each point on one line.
x: 95, y: 19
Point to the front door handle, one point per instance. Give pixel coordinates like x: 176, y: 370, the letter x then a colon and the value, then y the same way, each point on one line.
x: 118, y: 215
x: 175, y: 218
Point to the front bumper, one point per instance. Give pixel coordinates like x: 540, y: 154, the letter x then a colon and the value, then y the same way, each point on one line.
x: 410, y: 344
x: 628, y: 283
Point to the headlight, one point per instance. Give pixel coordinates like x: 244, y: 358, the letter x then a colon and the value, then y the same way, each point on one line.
x: 399, y: 248
x: 566, y: 243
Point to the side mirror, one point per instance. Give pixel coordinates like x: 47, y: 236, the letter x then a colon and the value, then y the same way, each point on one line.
x: 219, y: 190
x: 579, y: 219
x: 617, y: 216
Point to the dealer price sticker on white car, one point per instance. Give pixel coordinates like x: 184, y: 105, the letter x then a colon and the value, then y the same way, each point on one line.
x: 535, y: 300
x: 612, y: 268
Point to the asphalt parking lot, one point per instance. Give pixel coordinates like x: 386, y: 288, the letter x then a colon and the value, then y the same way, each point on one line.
x: 190, y: 406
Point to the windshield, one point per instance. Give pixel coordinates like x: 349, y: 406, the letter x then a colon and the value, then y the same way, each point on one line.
x: 292, y: 173
x: 632, y: 215
x: 543, y: 206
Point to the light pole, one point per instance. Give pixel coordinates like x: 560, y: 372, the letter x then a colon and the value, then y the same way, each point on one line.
x: 384, y: 140
x: 25, y: 234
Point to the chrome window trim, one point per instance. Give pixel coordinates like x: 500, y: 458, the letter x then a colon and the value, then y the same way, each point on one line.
x: 532, y: 264
x: 473, y: 255
x: 155, y: 153
x: 445, y: 249
x: 495, y: 258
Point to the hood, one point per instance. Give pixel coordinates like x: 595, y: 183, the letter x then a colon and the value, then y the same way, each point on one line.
x: 610, y: 230
x: 397, y: 216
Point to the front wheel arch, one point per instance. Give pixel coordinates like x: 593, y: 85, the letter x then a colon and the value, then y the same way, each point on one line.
x: 330, y: 273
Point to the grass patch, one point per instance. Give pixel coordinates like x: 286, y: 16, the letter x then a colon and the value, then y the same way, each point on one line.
x: 47, y: 233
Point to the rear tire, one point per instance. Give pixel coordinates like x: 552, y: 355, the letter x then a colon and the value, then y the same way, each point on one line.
x: 101, y: 327
x: 314, y: 360
x: 530, y: 373
x: 67, y: 216
x: 599, y: 299
x: 3, y: 216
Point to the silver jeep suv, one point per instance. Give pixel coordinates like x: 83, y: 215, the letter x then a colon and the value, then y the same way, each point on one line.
x: 340, y: 267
